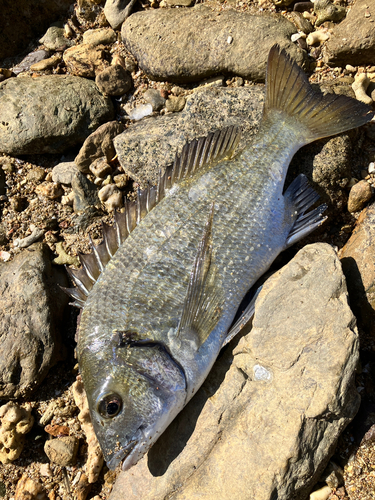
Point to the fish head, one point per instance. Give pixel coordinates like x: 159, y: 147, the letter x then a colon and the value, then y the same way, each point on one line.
x: 141, y: 393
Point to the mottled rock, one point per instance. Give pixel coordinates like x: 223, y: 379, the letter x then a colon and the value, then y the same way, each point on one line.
x: 100, y: 36
x: 64, y: 172
x: 327, y: 11
x: 175, y: 104
x: 267, y: 419
x: 358, y: 31
x: 31, y: 312
x: 15, y: 422
x: 99, y: 143
x: 151, y: 145
x: 357, y: 259
x: 100, y: 168
x: 29, y: 489
x: 114, y: 80
x: 85, y: 193
x: 153, y: 97
x: 30, y: 60
x: 86, y: 60
x: 54, y: 39
x: 49, y: 190
x: 111, y: 197
x: 23, y: 20
x: 301, y: 23
x: 60, y: 111
x: 360, y: 194
x: 154, y: 38
x: 116, y: 11
x: 62, y: 451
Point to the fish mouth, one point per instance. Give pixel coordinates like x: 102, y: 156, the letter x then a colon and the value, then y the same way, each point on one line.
x: 120, y: 455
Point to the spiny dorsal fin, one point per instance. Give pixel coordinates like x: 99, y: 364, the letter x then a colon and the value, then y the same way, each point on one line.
x: 195, y: 155
x: 204, y: 297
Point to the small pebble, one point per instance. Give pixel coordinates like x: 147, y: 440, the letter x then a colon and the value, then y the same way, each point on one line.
x: 107, y: 191
x: 361, y: 82
x: 49, y: 63
x: 121, y: 180
x: 64, y: 258
x: 62, y: 451
x: 175, y: 104
x: 114, y: 81
x: 321, y: 494
x: 64, y: 172
x: 153, y: 97
x: 360, y: 194
x: 29, y: 240
x: 36, y: 174
x: 50, y: 190
x: 317, y: 37
x: 45, y: 470
x: 29, y: 489
x: 327, y: 11
x: 140, y: 112
x: 371, y: 168
x: 100, y: 167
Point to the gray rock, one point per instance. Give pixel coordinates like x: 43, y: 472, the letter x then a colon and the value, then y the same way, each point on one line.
x: 301, y: 23
x: 153, y: 97
x: 31, y: 306
x: 360, y: 194
x: 99, y: 143
x: 54, y: 39
x: 100, y: 36
x: 327, y: 11
x: 116, y: 11
x: 64, y: 172
x: 62, y: 451
x: 59, y: 112
x: 358, y: 31
x: 266, y: 421
x: 85, y: 193
x: 154, y: 38
x: 23, y: 20
x: 152, y: 144
x: 29, y: 60
x: 114, y: 80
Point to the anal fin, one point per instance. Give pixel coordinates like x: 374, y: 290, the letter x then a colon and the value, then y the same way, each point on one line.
x: 302, y: 197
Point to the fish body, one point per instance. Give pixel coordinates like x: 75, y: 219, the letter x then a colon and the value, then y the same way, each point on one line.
x: 158, y: 314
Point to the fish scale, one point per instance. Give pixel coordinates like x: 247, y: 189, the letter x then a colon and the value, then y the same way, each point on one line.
x: 158, y: 303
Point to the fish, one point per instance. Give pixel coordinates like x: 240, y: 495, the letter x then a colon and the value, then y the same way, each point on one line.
x: 160, y: 293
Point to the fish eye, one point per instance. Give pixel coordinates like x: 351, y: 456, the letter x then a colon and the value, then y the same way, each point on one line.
x: 110, y: 405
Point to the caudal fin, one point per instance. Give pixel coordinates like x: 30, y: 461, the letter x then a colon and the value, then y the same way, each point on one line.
x: 288, y: 90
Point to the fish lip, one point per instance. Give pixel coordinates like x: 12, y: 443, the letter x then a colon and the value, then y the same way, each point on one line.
x: 122, y: 454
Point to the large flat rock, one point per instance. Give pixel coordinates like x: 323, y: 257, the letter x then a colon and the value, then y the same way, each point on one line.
x: 183, y: 45
x: 49, y: 114
x: 267, y: 419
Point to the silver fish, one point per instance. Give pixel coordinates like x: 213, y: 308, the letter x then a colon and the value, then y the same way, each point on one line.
x: 159, y: 294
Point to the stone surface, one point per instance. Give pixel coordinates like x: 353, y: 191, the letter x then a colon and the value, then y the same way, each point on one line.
x: 85, y: 193
x: 175, y: 104
x: 15, y: 422
x: 86, y: 60
x: 327, y: 11
x: 62, y: 451
x: 360, y: 194
x: 267, y: 419
x: 154, y: 38
x: 31, y: 306
x: 23, y: 20
x: 357, y: 258
x: 45, y: 64
x: 116, y: 11
x: 29, y: 489
x: 100, y: 36
x: 30, y: 60
x: 60, y: 112
x: 358, y: 32
x: 54, y: 39
x: 151, y: 144
x: 64, y: 172
x: 99, y: 143
x: 153, y: 97
x: 114, y: 80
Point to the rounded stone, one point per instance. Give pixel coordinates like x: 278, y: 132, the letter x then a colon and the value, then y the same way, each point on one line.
x: 114, y: 80
x: 62, y: 451
x: 360, y: 194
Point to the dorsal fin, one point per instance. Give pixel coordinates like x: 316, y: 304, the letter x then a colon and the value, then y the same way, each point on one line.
x: 195, y: 155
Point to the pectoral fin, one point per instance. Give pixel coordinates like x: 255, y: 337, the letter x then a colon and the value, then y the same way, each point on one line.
x: 204, y: 297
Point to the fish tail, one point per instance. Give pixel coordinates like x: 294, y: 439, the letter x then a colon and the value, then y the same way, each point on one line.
x: 288, y: 91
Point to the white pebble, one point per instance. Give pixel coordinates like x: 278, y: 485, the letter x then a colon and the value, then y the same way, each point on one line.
x: 317, y: 37
x: 229, y: 40
x: 361, y: 82
x: 371, y: 168
x: 140, y: 112
x: 321, y: 494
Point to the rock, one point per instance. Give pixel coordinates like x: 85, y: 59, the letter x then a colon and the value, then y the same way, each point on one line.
x: 121, y: 180
x: 23, y: 20
x: 151, y: 145
x: 140, y: 112
x: 360, y: 194
x: 15, y: 422
x: 100, y: 36
x: 175, y: 104
x: 64, y: 172
x: 116, y: 11
x: 60, y: 112
x: 63, y: 258
x: 29, y: 489
x: 62, y: 451
x: 301, y: 23
x: 95, y: 458
x: 154, y: 38
x: 49, y: 190
x: 86, y: 60
x: 85, y: 193
x: 54, y: 39
x: 267, y: 419
x: 83, y: 487
x: 31, y: 309
x: 358, y: 265
x: 36, y: 174
x: 99, y: 143
x: 36, y: 234
x: 114, y: 80
x: 179, y: 3
x: 30, y: 60
x: 100, y: 168
x: 111, y: 196
x: 45, y: 64
x: 358, y: 31
x: 327, y: 11
x: 321, y: 493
